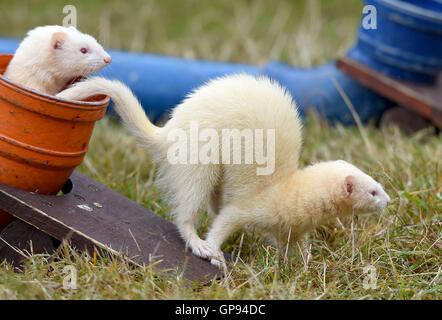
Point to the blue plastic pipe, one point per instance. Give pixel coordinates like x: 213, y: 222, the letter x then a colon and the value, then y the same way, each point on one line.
x: 161, y: 82
x: 406, y: 43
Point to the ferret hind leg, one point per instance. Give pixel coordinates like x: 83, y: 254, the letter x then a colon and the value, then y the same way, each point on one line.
x: 193, y: 188
x: 186, y: 217
x: 229, y: 220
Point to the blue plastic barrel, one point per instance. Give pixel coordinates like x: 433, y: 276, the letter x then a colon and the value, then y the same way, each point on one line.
x: 407, y: 41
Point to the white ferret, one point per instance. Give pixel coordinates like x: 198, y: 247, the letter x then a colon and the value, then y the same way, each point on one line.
x: 52, y: 57
x: 286, y: 203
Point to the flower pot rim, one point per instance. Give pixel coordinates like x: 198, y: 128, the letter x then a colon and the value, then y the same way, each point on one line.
x: 73, y: 104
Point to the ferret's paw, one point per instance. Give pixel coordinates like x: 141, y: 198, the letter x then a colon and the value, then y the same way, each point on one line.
x: 202, y: 248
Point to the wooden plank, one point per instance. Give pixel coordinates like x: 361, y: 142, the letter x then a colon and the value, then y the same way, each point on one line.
x: 93, y: 216
x: 18, y: 240
x: 423, y: 99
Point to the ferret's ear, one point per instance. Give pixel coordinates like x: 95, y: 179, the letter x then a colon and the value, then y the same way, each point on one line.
x: 349, y: 185
x: 58, y: 39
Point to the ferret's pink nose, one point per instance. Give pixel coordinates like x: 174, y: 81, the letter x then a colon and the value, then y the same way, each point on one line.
x: 108, y: 60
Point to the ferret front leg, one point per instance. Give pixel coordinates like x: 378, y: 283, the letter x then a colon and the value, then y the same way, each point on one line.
x: 229, y: 220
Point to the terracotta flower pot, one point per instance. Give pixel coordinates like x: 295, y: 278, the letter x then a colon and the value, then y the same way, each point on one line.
x: 42, y: 138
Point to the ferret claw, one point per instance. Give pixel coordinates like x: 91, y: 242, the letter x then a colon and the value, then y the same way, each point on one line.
x: 207, y: 250
x: 219, y: 262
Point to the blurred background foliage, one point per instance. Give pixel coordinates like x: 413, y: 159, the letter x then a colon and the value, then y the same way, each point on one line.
x: 301, y: 32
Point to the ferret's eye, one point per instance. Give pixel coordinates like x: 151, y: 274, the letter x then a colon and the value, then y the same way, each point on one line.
x: 373, y: 193
x: 83, y: 50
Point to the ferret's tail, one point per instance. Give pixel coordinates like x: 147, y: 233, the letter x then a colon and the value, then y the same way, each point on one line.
x: 126, y: 104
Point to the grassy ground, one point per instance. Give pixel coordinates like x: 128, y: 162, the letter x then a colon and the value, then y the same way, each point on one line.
x: 402, y: 243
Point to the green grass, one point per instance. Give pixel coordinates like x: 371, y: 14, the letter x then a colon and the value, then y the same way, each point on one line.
x: 402, y: 243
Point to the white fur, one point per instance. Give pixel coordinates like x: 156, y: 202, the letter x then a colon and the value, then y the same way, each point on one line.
x: 38, y: 65
x: 288, y: 202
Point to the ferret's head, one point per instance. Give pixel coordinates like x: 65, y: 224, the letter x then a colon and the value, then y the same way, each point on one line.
x: 360, y: 191
x: 77, y: 52
x: 64, y: 51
